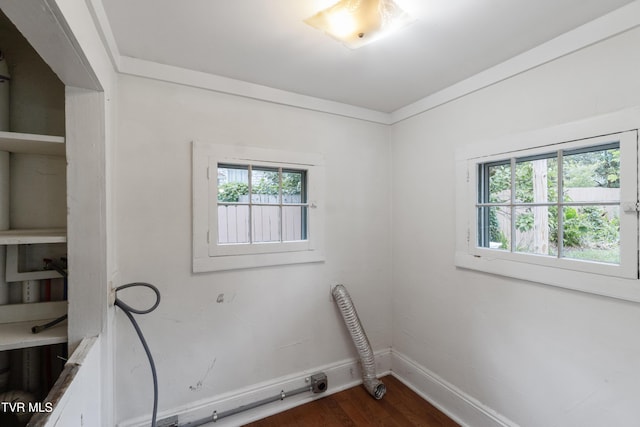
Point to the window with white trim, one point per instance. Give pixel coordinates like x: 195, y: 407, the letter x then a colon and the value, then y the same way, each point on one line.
x: 255, y: 207
x: 560, y: 207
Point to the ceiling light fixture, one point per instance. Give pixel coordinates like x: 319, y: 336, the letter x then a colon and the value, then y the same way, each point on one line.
x: 359, y: 22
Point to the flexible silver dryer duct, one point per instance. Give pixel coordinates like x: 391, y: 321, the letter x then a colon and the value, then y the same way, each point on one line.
x: 374, y: 386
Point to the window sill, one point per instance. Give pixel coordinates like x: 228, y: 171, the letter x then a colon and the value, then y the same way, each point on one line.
x: 237, y: 262
x: 613, y: 287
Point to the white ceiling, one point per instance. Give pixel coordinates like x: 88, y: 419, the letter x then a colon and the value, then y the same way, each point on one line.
x: 266, y: 42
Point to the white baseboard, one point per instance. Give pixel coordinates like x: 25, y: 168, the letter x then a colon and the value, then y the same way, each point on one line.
x: 459, y: 406
x: 340, y: 376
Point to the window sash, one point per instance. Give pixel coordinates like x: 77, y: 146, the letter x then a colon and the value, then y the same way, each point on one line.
x: 512, y: 205
x: 280, y: 204
x: 628, y: 267
x: 257, y: 247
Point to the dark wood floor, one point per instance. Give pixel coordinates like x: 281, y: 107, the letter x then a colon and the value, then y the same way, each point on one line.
x: 400, y: 407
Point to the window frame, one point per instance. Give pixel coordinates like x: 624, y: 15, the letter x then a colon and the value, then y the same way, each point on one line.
x: 216, y: 248
x: 619, y: 281
x: 628, y: 262
x: 208, y: 254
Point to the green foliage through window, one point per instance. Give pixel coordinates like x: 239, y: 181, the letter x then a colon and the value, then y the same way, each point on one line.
x: 584, y: 227
x: 268, y: 184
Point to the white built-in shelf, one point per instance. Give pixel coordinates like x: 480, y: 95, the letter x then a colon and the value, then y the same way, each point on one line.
x: 16, y: 321
x: 19, y: 335
x: 28, y: 143
x: 24, y: 237
x: 32, y: 312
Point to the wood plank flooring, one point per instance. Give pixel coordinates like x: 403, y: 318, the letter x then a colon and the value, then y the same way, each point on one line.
x: 400, y: 407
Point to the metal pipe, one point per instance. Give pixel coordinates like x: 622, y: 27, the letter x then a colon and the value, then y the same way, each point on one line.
x: 219, y: 415
x: 39, y: 328
x: 374, y: 386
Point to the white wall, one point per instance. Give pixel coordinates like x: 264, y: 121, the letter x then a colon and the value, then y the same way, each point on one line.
x: 541, y: 356
x: 274, y: 321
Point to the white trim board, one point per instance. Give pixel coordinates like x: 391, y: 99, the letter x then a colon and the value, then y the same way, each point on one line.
x: 198, y: 79
x: 459, y: 406
x: 455, y: 403
x: 607, y: 26
x: 101, y: 22
x: 340, y: 376
x: 46, y: 29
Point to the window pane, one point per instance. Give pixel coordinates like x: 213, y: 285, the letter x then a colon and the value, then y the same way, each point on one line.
x: 592, y: 233
x: 592, y: 175
x: 265, y: 223
x: 233, y: 183
x: 537, y: 180
x: 294, y: 223
x: 496, y: 183
x: 535, y: 229
x: 265, y: 185
x: 233, y: 224
x: 294, y: 186
x: 494, y: 227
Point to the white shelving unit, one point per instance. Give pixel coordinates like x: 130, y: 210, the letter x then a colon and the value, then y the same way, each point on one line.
x: 27, y: 143
x: 35, y: 202
x: 18, y: 335
x: 16, y: 320
x: 26, y: 237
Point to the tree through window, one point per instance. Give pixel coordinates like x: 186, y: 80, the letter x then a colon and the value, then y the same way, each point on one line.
x: 564, y: 204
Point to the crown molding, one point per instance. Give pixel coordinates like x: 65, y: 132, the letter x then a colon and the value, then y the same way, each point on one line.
x: 99, y: 15
x: 169, y: 73
x: 607, y: 26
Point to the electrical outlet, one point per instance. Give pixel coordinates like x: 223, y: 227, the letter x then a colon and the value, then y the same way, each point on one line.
x: 319, y: 382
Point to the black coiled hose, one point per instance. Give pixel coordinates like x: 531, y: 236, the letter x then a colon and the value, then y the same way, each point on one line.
x: 128, y: 310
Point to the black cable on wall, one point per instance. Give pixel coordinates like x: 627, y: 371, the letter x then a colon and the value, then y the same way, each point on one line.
x: 129, y: 311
